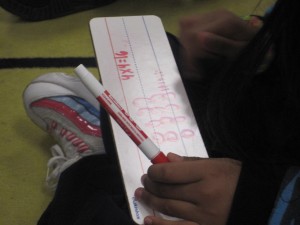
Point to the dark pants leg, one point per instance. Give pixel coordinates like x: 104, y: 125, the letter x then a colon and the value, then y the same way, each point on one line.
x: 90, y: 192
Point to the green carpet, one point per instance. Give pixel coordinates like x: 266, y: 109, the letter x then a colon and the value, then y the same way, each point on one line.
x: 24, y: 147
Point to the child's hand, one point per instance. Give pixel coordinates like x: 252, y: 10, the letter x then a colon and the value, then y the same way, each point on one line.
x: 199, y: 191
x: 212, y: 38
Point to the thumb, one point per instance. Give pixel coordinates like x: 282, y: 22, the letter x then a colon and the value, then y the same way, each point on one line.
x: 177, y: 158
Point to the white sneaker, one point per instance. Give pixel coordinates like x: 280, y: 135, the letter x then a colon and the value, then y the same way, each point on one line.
x: 62, y: 106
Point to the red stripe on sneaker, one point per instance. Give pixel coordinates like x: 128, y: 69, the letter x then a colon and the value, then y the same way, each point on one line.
x: 69, y: 113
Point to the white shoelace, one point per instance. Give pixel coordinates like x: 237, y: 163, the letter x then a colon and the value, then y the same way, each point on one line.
x: 70, y: 149
x: 57, y: 164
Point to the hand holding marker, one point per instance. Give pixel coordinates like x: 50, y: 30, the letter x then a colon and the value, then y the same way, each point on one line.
x: 120, y: 116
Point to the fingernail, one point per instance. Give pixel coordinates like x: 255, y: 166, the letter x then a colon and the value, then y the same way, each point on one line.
x: 143, y: 179
x: 147, y: 221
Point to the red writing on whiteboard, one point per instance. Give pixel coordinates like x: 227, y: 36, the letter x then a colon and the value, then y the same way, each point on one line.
x: 124, y: 67
x: 160, y: 81
x: 163, y: 118
x: 157, y: 110
x: 165, y: 121
x: 155, y: 99
x: 171, y: 136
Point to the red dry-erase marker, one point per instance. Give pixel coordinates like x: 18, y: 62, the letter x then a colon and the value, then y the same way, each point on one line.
x: 121, y: 116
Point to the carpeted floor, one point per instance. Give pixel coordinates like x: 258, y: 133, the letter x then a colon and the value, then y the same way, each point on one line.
x: 28, y: 49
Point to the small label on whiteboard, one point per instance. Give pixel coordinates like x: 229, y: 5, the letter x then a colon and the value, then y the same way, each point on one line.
x: 138, y: 68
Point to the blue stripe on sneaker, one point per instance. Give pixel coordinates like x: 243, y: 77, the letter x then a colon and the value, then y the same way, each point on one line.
x: 82, y: 107
x: 88, y: 106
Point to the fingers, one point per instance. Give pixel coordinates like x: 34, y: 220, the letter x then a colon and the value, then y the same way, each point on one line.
x: 205, y: 44
x: 152, y: 220
x: 177, y: 158
x: 170, y: 207
x: 174, y: 157
x: 200, y: 190
x: 215, y: 34
x: 189, y: 171
x: 213, y: 44
x: 180, y: 192
x: 178, y: 182
x: 176, y: 172
x: 221, y: 22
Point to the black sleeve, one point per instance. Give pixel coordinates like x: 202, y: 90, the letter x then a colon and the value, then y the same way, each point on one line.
x: 256, y: 193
